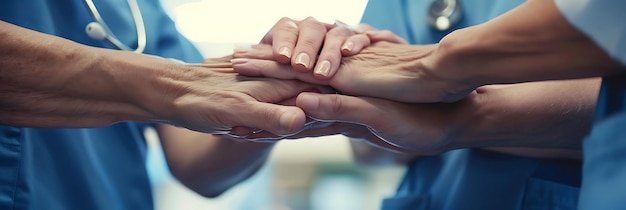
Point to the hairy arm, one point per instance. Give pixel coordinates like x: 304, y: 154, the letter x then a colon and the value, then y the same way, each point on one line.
x: 48, y: 81
x: 52, y: 82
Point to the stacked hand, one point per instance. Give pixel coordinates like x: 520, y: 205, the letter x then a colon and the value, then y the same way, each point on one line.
x: 367, y: 74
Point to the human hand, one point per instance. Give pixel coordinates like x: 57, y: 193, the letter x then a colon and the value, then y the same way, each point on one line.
x: 307, y: 42
x: 385, y: 70
x: 422, y: 129
x: 212, y: 98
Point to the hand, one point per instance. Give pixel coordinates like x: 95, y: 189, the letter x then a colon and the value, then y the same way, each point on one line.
x: 385, y: 70
x: 299, y: 42
x: 212, y: 98
x: 407, y: 128
x: 415, y: 128
x: 422, y: 129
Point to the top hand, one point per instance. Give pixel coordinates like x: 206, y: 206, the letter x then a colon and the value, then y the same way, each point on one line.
x: 398, y: 72
x: 309, y: 44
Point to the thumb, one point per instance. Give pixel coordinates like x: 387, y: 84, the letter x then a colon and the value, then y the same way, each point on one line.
x: 274, y: 118
x: 335, y: 107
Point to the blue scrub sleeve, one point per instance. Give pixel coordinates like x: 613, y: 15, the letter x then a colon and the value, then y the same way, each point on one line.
x: 600, y: 20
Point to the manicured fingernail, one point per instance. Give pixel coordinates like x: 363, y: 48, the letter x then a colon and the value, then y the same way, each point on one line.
x: 292, y: 24
x: 237, y: 61
x: 348, y: 46
x: 303, y: 59
x: 285, y: 51
x: 309, y: 101
x: 323, y: 68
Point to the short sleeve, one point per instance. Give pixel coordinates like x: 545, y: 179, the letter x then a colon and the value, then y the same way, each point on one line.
x: 601, y: 20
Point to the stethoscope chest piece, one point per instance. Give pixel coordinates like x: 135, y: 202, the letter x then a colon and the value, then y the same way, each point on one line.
x: 444, y: 14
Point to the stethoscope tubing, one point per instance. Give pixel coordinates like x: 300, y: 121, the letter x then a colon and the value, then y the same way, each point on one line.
x: 110, y: 37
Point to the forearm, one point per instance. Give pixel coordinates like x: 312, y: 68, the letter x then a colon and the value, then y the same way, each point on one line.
x: 530, y: 43
x: 210, y: 164
x: 549, y: 115
x: 48, y: 81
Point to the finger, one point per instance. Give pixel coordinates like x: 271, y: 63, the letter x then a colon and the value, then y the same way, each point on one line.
x: 385, y: 35
x: 269, y: 68
x: 283, y: 38
x: 310, y: 38
x: 330, y: 56
x: 354, y: 44
x: 224, y: 59
x: 260, y: 51
x: 273, y: 118
x: 335, y: 107
x: 243, y: 132
x: 363, y: 27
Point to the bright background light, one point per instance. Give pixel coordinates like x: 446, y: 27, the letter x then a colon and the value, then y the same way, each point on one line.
x: 246, y: 21
x: 217, y: 25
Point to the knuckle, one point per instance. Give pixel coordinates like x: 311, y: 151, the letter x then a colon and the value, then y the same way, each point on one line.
x: 309, y: 43
x: 336, y: 105
x: 339, y: 32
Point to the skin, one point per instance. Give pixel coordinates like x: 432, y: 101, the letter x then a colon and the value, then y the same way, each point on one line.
x: 548, y: 119
x: 64, y: 84
x: 99, y: 87
x: 533, y: 42
x: 545, y: 119
x: 437, y: 73
x: 309, y: 45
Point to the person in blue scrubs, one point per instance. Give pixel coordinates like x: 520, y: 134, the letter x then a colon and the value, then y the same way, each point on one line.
x: 73, y: 114
x: 604, y: 172
x: 539, y: 40
x: 471, y: 178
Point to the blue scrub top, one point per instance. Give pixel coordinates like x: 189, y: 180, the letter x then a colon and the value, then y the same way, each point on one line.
x: 95, y: 168
x: 471, y: 179
x: 604, y: 172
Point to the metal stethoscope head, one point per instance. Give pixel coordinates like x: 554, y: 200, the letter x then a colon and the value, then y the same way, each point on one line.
x: 444, y: 14
x: 99, y: 30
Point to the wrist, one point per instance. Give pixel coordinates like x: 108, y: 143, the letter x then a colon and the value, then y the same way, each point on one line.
x: 451, y: 63
x: 142, y: 83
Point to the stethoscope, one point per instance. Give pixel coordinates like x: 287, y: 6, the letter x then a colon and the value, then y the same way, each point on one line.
x: 444, y: 14
x: 99, y: 30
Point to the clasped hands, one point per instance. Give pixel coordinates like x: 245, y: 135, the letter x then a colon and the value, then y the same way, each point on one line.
x: 380, y: 77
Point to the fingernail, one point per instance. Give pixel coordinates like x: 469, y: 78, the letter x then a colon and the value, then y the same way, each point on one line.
x: 237, y: 61
x: 348, y: 46
x: 287, y: 120
x: 285, y: 52
x: 303, y: 59
x: 309, y: 101
x: 292, y: 24
x: 323, y: 68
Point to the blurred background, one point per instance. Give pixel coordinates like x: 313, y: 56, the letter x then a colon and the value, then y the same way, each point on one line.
x: 305, y: 174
